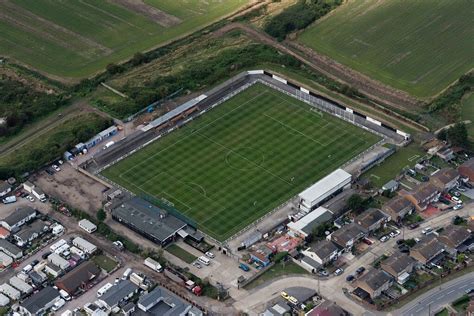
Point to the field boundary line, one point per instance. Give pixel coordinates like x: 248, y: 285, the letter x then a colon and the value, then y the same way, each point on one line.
x: 295, y: 130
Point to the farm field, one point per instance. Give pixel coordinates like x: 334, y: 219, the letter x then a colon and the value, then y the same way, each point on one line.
x: 416, y: 46
x: 242, y: 159
x: 75, y: 39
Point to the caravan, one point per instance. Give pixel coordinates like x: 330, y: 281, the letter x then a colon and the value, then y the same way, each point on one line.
x: 204, y: 260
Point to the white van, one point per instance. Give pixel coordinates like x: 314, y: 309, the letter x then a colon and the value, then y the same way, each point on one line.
x: 60, y: 303
x: 127, y: 273
x: 204, y: 260
x: 65, y: 295
x: 104, y: 289
x: 27, y: 268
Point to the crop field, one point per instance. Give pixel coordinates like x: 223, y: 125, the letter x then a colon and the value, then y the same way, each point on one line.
x: 240, y: 160
x: 74, y: 39
x: 418, y: 46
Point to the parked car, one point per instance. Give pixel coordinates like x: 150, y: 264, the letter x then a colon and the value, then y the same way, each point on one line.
x: 456, y: 193
x: 34, y: 262
x: 350, y: 278
x: 404, y: 248
x: 456, y: 199
x: 400, y: 241
x: 426, y: 230
x: 46, y: 254
x: 197, y: 265
x: 56, y: 168
x: 210, y: 255
x: 367, y: 241
x: 60, y: 303
x: 360, y: 270
x: 414, y: 225
x: 470, y: 291
x: 244, y: 267
x: 30, y: 198
x: 395, y: 233
x: 284, y: 295
x: 384, y: 238
x: 457, y: 207
x: 339, y: 271
x: 323, y: 273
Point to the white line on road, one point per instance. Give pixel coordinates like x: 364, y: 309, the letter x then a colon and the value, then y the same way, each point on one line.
x: 450, y: 292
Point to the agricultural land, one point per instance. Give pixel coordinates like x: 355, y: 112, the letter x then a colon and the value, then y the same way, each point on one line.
x: 420, y: 47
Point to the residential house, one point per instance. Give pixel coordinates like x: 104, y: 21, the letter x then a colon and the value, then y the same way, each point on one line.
x: 18, y: 218
x: 456, y: 239
x: 422, y: 195
x: 328, y: 308
x: 10, y: 249
x: 4, y: 233
x: 262, y: 255
x: 397, y: 208
x: 79, y: 278
x: 40, y: 302
x: 53, y: 270
x: 30, y: 232
x: 5, y: 188
x: 161, y: 302
x: 120, y: 292
x: 391, y: 186
x: 428, y: 250
x: 399, y: 265
x: 347, y: 236
x: 323, y: 252
x: 445, y: 153
x: 466, y: 170
x: 375, y: 282
x: 372, y: 219
x: 445, y: 179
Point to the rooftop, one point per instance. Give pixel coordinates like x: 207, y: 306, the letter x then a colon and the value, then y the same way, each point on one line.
x: 37, y: 301
x: 307, y: 223
x: 346, y: 233
x: 148, y: 218
x: 397, y: 204
x: 325, y: 185
x: 18, y: 215
x: 78, y: 277
x: 34, y: 228
x: 324, y: 248
x: 428, y: 247
x: 118, y: 292
x: 398, y: 262
x: 161, y: 302
x: 424, y: 191
x: 375, y: 279
x: 454, y: 235
x: 370, y: 217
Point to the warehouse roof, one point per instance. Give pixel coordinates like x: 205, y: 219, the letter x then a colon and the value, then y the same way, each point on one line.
x: 307, y: 223
x: 148, y: 218
x: 39, y: 300
x: 325, y: 185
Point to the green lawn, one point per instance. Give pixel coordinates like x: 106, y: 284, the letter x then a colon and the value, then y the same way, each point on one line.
x: 182, y: 254
x: 467, y: 113
x: 78, y: 38
x: 104, y: 262
x: 393, y: 165
x: 443, y: 312
x: 240, y: 160
x: 419, y: 46
x: 275, y: 272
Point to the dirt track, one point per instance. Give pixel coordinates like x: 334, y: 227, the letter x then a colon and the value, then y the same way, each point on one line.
x: 158, y: 16
x: 374, y: 89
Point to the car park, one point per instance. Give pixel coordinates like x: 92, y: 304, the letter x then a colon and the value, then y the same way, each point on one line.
x: 350, y: 278
x: 339, y: 271
x: 210, y: 255
x: 384, y: 238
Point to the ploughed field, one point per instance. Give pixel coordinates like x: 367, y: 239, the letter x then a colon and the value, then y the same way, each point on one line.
x: 232, y: 165
x: 418, y: 46
x: 75, y: 39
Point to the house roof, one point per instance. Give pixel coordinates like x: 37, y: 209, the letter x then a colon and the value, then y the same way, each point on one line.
x: 328, y: 308
x: 375, y: 279
x: 148, y: 218
x: 263, y: 252
x: 397, y: 205
x: 4, y: 186
x: 4, y: 233
x: 161, y: 302
x: 324, y: 248
x: 445, y: 175
x: 390, y: 185
x: 18, y: 215
x: 428, y: 247
x: 370, y: 217
x: 307, y: 223
x: 35, y: 228
x: 118, y: 292
x: 398, y: 262
x: 79, y: 276
x: 424, y: 191
x: 468, y: 164
x: 346, y: 233
x: 39, y: 300
x: 454, y: 235
x: 11, y: 248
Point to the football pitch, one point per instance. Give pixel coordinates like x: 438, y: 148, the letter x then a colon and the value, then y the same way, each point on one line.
x: 242, y: 159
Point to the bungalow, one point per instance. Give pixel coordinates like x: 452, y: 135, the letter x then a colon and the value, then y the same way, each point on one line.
x: 423, y: 195
x: 323, y: 252
x: 347, y: 236
x: 18, y: 218
x: 261, y: 255
x: 53, y: 270
x: 372, y: 219
x: 398, y: 207
x: 5, y: 188
x: 30, y: 232
x: 456, y: 239
x: 79, y: 278
x: 375, y: 282
x: 428, y: 250
x: 445, y: 153
x: 399, y: 266
x: 39, y: 303
x: 328, y: 308
x: 121, y: 292
x: 10, y: 249
x: 391, y: 186
x: 466, y: 170
x: 445, y: 179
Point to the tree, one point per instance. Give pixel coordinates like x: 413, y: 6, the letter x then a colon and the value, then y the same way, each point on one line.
x: 461, y: 257
x: 101, y: 215
x: 355, y: 202
x: 138, y: 59
x: 458, y: 136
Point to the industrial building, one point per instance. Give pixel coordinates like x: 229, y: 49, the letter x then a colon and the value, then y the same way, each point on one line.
x: 324, y: 189
x: 305, y: 225
x: 148, y: 220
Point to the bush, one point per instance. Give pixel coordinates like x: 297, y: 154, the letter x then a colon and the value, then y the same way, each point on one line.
x: 101, y: 215
x: 280, y: 256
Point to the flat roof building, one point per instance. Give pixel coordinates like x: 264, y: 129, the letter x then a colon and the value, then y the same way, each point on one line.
x: 148, y: 220
x: 324, y: 189
x: 305, y: 225
x: 161, y: 302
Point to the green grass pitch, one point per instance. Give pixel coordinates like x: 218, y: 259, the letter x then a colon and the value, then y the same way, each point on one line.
x: 418, y: 46
x: 240, y: 160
